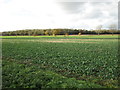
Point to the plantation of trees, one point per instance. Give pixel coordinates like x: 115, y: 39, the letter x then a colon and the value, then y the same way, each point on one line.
x: 54, y: 32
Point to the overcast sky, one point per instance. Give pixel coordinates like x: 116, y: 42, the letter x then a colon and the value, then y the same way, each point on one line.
x: 41, y: 14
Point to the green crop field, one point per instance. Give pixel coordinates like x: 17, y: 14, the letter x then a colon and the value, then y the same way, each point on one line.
x: 60, y: 62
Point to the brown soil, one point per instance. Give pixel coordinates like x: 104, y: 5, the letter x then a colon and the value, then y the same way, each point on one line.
x: 67, y: 42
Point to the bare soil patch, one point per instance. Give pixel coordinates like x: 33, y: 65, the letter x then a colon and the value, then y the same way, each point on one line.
x: 67, y: 42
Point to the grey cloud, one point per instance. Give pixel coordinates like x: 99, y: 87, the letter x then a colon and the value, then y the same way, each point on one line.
x: 81, y: 7
x: 98, y: 10
x: 94, y: 14
x: 72, y: 7
x: 100, y: 3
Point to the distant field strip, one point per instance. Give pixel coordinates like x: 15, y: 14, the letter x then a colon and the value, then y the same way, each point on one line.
x: 65, y: 37
x: 61, y: 40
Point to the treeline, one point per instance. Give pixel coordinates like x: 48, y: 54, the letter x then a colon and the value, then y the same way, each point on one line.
x: 36, y: 32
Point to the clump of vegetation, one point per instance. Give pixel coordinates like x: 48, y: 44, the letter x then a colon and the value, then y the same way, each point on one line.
x: 21, y: 76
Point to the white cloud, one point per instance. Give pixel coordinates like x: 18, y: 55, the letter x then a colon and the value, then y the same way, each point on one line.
x: 28, y: 14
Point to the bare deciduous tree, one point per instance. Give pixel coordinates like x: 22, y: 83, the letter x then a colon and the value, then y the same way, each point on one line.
x: 98, y: 29
x: 112, y: 28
